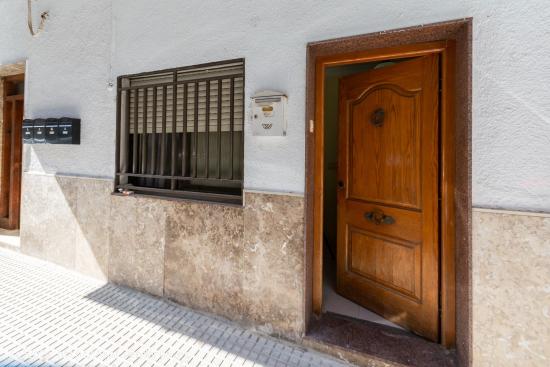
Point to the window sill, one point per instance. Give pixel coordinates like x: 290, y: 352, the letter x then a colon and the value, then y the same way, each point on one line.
x: 233, y: 203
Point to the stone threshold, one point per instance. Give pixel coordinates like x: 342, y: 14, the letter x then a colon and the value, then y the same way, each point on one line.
x: 374, y: 345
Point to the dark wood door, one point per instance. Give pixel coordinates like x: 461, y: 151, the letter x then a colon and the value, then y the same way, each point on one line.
x: 11, y: 152
x: 388, y: 255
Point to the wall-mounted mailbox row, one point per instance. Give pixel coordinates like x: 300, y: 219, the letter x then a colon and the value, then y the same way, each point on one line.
x: 51, y: 131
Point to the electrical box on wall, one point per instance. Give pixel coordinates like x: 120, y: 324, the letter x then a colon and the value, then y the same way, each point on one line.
x: 51, y: 131
x: 269, y: 114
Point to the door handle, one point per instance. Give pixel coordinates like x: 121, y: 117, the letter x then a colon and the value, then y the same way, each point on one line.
x: 340, y: 185
x: 378, y: 217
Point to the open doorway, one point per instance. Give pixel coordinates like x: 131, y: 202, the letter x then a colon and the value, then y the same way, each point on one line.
x: 392, y: 212
x: 12, y: 89
x: 333, y: 301
x: 382, y: 165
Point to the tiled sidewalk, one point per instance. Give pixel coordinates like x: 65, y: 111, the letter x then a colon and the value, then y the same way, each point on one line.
x: 53, y: 317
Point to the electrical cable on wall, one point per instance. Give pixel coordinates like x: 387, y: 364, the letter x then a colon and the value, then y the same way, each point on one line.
x: 43, y: 18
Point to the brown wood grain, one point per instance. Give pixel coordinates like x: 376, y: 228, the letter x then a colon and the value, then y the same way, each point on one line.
x: 447, y: 193
x: 451, y: 40
x: 5, y: 155
x: 393, y: 169
x: 11, y: 155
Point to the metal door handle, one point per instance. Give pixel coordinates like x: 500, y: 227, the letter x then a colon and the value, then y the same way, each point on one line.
x: 378, y: 217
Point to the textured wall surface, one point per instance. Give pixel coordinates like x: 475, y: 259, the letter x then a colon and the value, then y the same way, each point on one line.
x: 86, y: 44
x: 247, y: 263
x: 244, y: 263
x: 511, y: 295
x: 14, y: 35
x: 511, y: 109
x: 69, y: 72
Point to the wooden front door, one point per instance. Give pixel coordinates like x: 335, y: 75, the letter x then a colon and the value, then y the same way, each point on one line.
x: 11, y: 152
x: 388, y: 253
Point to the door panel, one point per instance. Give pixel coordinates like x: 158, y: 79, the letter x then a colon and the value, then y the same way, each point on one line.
x: 385, y: 260
x: 396, y: 181
x: 388, y: 196
x: 11, y: 153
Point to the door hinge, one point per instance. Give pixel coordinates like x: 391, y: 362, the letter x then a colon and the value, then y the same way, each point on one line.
x: 311, y: 126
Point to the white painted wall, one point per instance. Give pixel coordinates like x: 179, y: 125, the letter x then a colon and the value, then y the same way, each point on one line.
x: 511, y: 110
x: 14, y: 37
x: 88, y: 43
x: 69, y: 72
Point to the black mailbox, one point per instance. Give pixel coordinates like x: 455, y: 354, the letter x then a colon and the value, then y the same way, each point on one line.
x: 51, y: 131
x: 68, y: 131
x: 39, y: 135
x: 28, y: 131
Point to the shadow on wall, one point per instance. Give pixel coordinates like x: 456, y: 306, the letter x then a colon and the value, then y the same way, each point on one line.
x: 65, y: 220
x: 243, y: 263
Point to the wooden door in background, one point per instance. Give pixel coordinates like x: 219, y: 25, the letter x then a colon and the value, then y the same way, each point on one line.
x: 11, y: 152
x: 388, y: 252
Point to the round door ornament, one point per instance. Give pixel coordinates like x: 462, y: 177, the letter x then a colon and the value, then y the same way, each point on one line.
x: 377, y: 117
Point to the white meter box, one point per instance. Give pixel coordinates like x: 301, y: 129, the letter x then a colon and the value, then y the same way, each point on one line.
x: 269, y: 114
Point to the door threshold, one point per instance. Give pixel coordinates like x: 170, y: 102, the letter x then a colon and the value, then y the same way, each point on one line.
x: 370, y: 344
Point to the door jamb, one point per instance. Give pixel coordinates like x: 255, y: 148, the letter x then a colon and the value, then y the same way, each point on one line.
x: 12, y: 221
x: 447, y: 167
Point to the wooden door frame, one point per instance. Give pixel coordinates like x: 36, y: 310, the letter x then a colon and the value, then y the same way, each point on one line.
x: 16, y: 148
x: 452, y: 40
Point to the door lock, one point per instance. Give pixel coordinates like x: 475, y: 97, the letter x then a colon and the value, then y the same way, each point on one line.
x: 340, y: 185
x: 378, y: 217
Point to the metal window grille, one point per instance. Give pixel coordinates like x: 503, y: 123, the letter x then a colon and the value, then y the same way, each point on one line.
x: 180, y: 132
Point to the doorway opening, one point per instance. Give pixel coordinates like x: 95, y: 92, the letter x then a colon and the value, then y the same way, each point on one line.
x: 12, y: 89
x: 333, y: 302
x: 389, y: 205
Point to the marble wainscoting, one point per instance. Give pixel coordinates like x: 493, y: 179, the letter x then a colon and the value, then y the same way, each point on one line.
x: 511, y: 288
x: 62, y: 214
x: 244, y: 263
x: 274, y: 269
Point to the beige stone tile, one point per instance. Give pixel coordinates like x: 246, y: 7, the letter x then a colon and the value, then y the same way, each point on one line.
x: 203, y: 267
x: 511, y: 289
x: 33, y: 215
x: 274, y: 262
x: 150, y: 241
x: 48, y: 227
x: 136, y: 252
x: 93, y: 227
x: 122, y: 240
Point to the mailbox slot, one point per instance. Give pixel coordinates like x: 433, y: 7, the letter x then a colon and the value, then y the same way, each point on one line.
x: 28, y: 132
x: 51, y: 131
x: 39, y: 135
x: 65, y: 130
x: 68, y: 131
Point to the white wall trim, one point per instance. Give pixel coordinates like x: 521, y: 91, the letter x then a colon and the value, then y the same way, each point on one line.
x: 282, y: 193
x: 511, y: 212
x: 82, y: 177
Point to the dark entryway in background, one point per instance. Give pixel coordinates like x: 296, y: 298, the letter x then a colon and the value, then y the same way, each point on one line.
x: 11, y: 150
x: 443, y: 41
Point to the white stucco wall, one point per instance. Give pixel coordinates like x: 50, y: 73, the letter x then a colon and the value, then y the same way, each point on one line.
x: 14, y: 37
x: 511, y: 109
x: 86, y: 44
x: 69, y: 73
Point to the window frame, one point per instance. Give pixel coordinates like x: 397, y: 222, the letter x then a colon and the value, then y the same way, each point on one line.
x: 174, y: 193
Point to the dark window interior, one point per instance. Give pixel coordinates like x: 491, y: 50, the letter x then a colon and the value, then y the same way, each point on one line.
x: 180, y: 132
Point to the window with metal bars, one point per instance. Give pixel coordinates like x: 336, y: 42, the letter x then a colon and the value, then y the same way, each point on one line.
x: 180, y: 132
